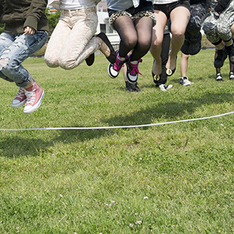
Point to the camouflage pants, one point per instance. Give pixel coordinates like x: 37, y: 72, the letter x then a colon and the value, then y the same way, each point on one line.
x: 198, y: 14
x: 219, y: 29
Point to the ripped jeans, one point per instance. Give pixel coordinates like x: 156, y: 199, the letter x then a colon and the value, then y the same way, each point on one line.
x: 14, y: 49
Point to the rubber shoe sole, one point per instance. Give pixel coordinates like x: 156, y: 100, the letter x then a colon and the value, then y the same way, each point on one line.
x: 112, y: 72
x: 18, y: 104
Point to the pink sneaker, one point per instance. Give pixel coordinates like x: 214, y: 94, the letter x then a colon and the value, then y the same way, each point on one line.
x: 114, y: 69
x: 132, y: 72
x: 34, y: 95
x: 19, y: 99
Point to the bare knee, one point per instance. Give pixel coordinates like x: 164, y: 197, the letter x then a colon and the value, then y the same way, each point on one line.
x: 3, y: 63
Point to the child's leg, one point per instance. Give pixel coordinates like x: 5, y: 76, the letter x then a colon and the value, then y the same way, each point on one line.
x: 56, y: 42
x: 144, y: 30
x: 144, y: 26
x: 128, y: 35
x: 179, y: 20
x: 217, y: 69
x: 128, y: 40
x: 157, y: 39
x: 85, y: 23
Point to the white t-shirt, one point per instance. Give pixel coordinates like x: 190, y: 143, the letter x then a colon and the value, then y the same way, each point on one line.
x: 72, y: 4
x: 164, y: 1
x: 76, y: 4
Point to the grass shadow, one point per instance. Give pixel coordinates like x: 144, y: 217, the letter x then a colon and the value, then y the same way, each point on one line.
x: 169, y: 110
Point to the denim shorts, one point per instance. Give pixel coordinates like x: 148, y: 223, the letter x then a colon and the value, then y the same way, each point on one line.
x: 145, y: 9
x: 167, y: 8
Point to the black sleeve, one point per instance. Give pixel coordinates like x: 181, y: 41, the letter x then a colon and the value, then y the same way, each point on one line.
x: 222, y: 5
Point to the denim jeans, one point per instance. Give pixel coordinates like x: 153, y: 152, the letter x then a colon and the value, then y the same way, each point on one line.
x: 14, y: 49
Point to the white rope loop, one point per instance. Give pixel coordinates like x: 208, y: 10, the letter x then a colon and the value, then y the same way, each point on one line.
x: 115, y: 127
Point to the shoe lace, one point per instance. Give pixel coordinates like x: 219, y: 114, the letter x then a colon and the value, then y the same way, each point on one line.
x: 20, y: 93
x: 134, y: 68
x: 118, y: 64
x: 30, y: 96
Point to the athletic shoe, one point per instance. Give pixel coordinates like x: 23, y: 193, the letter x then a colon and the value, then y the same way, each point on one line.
x: 231, y: 75
x: 164, y: 87
x: 34, y: 95
x: 19, y: 99
x: 219, y: 77
x: 132, y: 71
x: 90, y: 60
x: 114, y: 68
x: 185, y: 81
x: 219, y: 60
x: 128, y: 86
x: 135, y: 87
x: 230, y: 52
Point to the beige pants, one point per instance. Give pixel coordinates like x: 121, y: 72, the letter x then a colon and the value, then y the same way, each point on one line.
x: 72, y: 40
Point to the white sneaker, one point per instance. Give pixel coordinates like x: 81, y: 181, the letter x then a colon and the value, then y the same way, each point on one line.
x: 219, y: 77
x: 231, y: 76
x: 185, y: 81
x: 164, y: 87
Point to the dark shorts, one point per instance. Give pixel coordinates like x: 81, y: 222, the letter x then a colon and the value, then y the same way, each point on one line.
x: 167, y: 8
x: 145, y: 9
x: 144, y: 6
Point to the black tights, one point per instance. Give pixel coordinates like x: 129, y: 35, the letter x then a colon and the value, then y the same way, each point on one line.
x: 135, y: 36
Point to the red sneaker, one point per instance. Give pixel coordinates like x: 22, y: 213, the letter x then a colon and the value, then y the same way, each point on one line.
x: 19, y: 99
x: 34, y: 95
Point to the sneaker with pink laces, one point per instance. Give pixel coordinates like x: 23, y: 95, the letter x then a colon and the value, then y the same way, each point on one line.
x: 19, y: 99
x: 34, y: 95
x: 132, y: 72
x: 114, y: 69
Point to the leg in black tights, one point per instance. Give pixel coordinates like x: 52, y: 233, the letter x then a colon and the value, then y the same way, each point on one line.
x: 134, y: 36
x: 127, y: 33
x: 144, y: 28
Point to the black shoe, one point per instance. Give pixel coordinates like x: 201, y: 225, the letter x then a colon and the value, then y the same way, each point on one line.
x: 111, y: 58
x: 90, y: 60
x: 156, y: 78
x: 169, y: 71
x: 135, y: 87
x: 160, y: 79
x: 230, y: 52
x: 128, y: 87
x: 231, y: 75
x: 132, y: 87
x: 219, y: 77
x: 221, y: 56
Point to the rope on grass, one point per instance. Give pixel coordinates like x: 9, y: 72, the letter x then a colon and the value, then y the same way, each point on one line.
x: 115, y: 127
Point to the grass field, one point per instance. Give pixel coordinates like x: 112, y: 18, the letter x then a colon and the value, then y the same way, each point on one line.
x: 175, y: 178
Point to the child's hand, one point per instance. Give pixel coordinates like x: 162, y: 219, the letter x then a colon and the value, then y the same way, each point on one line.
x: 29, y: 30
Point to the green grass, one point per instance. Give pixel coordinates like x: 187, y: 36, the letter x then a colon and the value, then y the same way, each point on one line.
x: 175, y: 178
